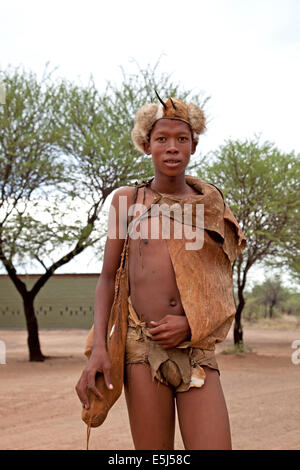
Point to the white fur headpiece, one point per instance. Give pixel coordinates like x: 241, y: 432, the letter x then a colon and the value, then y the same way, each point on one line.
x: 173, y: 108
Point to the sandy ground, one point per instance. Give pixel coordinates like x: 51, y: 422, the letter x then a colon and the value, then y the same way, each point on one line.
x: 40, y: 410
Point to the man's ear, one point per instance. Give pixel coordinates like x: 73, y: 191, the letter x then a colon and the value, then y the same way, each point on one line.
x: 147, y: 148
x: 194, y: 145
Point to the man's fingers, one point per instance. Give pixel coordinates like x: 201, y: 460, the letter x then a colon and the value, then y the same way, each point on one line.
x: 82, y: 395
x: 157, y: 329
x: 92, y: 387
x: 159, y: 322
x: 107, y: 378
x: 81, y: 392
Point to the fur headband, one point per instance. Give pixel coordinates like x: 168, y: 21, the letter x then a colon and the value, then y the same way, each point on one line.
x: 173, y: 108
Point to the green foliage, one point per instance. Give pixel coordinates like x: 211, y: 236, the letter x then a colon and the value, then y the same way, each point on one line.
x: 291, y: 305
x: 28, y: 137
x: 262, y: 187
x: 253, y: 309
x: 30, y: 168
x: 2, y: 94
x: 271, y: 299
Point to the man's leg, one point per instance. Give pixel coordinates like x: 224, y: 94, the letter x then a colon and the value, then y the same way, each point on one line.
x: 151, y: 409
x: 203, y: 416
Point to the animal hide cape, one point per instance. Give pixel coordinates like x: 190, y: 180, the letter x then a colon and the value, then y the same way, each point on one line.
x: 204, y: 280
x: 204, y: 276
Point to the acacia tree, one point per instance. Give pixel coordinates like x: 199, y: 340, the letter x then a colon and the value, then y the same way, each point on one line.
x: 261, y: 185
x: 29, y: 170
x: 270, y: 294
x: 63, y: 149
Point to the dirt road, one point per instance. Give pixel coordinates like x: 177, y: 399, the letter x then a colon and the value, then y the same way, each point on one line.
x: 40, y: 410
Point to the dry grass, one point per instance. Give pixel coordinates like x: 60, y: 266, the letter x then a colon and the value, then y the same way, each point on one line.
x: 282, y: 322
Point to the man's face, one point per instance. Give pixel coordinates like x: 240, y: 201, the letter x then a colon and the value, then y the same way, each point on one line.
x: 171, y: 146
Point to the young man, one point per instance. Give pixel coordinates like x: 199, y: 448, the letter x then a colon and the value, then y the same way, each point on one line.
x: 180, y: 299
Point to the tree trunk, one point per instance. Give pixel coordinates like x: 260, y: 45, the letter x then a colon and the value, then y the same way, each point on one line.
x: 241, y: 282
x: 35, y: 353
x: 238, y: 329
x: 271, y: 309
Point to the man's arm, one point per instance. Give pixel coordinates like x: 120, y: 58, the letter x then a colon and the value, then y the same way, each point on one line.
x: 104, y: 296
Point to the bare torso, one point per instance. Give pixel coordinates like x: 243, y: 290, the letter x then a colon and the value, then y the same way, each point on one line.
x: 153, y: 289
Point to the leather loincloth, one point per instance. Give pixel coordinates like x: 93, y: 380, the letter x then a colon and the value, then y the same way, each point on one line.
x: 179, y: 367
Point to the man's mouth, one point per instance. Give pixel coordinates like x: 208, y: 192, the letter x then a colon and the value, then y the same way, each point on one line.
x: 172, y: 162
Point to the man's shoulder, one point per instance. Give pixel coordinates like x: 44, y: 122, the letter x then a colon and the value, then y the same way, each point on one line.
x: 216, y: 188
x: 131, y: 191
x: 124, y: 191
x: 204, y: 186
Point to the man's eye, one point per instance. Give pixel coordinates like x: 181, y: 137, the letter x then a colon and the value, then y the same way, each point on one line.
x: 161, y: 139
x: 182, y: 139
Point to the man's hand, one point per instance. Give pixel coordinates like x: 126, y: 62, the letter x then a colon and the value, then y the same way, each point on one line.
x: 170, y: 331
x: 98, y: 362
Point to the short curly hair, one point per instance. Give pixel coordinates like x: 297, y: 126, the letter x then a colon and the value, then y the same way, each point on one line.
x: 173, y: 108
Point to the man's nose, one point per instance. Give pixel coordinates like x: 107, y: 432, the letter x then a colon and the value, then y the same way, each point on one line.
x: 172, y: 148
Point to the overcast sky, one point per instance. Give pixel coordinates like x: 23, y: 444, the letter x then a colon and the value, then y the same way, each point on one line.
x: 245, y: 54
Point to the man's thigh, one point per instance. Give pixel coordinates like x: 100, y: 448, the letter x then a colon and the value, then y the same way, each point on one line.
x: 151, y: 409
x: 203, y: 416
